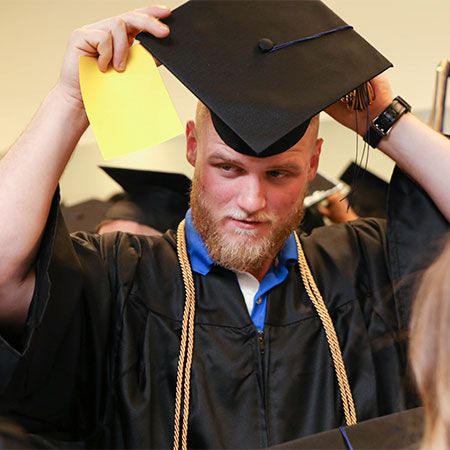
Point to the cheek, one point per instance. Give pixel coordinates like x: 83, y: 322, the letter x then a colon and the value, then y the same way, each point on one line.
x: 286, y: 200
x: 217, y: 190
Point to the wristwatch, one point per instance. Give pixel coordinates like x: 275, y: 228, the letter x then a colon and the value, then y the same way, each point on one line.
x: 383, y: 124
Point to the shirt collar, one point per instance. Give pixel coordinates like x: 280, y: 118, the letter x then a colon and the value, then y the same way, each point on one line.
x: 201, y: 261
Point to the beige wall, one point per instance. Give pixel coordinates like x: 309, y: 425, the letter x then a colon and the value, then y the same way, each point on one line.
x: 413, y: 34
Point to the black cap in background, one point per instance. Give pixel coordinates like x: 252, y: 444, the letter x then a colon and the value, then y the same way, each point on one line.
x: 156, y: 199
x: 86, y: 215
x: 369, y: 192
x: 261, y: 101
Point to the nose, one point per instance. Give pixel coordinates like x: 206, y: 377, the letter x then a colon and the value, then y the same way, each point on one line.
x: 252, y: 196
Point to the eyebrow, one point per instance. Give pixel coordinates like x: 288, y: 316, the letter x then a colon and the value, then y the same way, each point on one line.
x: 286, y: 166
x: 218, y: 156
x: 224, y: 158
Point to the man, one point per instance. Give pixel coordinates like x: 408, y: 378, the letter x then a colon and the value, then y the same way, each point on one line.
x: 92, y: 325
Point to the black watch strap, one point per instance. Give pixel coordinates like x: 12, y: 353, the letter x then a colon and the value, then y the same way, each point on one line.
x: 383, y: 124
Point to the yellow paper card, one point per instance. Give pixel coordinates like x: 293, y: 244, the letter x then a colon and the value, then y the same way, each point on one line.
x: 131, y: 110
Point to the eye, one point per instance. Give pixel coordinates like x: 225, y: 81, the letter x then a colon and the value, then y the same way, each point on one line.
x: 276, y: 174
x: 229, y: 169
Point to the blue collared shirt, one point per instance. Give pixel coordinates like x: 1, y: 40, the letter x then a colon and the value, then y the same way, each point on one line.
x: 201, y: 263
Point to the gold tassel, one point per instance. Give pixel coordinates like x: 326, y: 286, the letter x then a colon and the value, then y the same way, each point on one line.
x: 360, y: 98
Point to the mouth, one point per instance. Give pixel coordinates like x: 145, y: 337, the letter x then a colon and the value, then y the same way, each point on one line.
x: 247, y: 224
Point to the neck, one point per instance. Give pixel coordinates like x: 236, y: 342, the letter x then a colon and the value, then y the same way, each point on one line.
x: 261, y: 271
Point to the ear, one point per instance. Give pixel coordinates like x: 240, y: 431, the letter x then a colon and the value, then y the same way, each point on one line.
x: 191, y: 142
x: 314, y: 161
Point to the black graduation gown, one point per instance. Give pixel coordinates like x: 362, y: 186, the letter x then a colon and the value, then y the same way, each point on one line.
x: 97, y: 365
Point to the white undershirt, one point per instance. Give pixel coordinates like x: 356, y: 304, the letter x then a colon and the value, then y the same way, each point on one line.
x: 249, y: 287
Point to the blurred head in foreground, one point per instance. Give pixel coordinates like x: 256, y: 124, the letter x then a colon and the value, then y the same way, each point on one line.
x: 429, y: 350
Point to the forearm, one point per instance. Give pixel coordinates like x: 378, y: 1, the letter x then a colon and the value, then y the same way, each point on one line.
x: 29, y: 174
x: 423, y: 154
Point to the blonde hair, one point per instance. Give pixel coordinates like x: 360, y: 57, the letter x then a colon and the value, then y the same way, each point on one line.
x: 429, y: 352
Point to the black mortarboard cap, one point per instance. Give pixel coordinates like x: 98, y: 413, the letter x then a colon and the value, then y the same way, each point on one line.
x: 85, y: 216
x: 261, y: 101
x: 156, y: 199
x: 369, y: 192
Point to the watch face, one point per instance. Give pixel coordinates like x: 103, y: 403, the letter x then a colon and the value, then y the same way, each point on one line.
x: 384, y: 122
x: 390, y: 115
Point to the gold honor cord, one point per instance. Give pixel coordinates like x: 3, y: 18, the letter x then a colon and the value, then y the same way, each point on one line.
x: 330, y: 332
x: 187, y: 340
x: 187, y: 344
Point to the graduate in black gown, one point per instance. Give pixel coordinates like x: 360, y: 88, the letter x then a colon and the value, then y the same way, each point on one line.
x: 232, y: 332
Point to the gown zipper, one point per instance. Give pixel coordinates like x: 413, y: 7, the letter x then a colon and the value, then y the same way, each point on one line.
x: 261, y: 342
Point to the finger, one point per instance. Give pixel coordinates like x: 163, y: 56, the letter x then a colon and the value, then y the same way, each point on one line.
x: 158, y: 11
x: 94, y: 43
x: 116, y: 29
x: 324, y: 211
x: 139, y: 21
x: 124, y: 28
x: 120, y: 43
x: 105, y: 51
x: 334, y: 197
x: 120, y: 32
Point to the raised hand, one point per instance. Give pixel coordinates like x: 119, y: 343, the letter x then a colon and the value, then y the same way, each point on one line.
x: 109, y: 41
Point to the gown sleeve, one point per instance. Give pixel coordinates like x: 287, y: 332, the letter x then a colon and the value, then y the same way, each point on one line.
x: 61, y: 359
x: 416, y: 233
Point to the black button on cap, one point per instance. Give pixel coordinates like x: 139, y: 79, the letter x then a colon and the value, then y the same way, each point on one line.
x: 265, y: 44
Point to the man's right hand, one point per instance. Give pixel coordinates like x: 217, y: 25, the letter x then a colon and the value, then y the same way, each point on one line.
x: 338, y: 209
x: 109, y: 41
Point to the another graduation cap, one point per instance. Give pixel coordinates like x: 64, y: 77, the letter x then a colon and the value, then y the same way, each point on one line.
x: 369, y: 192
x: 156, y: 199
x: 264, y: 68
x: 318, y: 189
x: 85, y: 216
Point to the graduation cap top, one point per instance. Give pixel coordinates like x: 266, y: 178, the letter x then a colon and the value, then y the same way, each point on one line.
x: 157, y: 199
x: 264, y: 68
